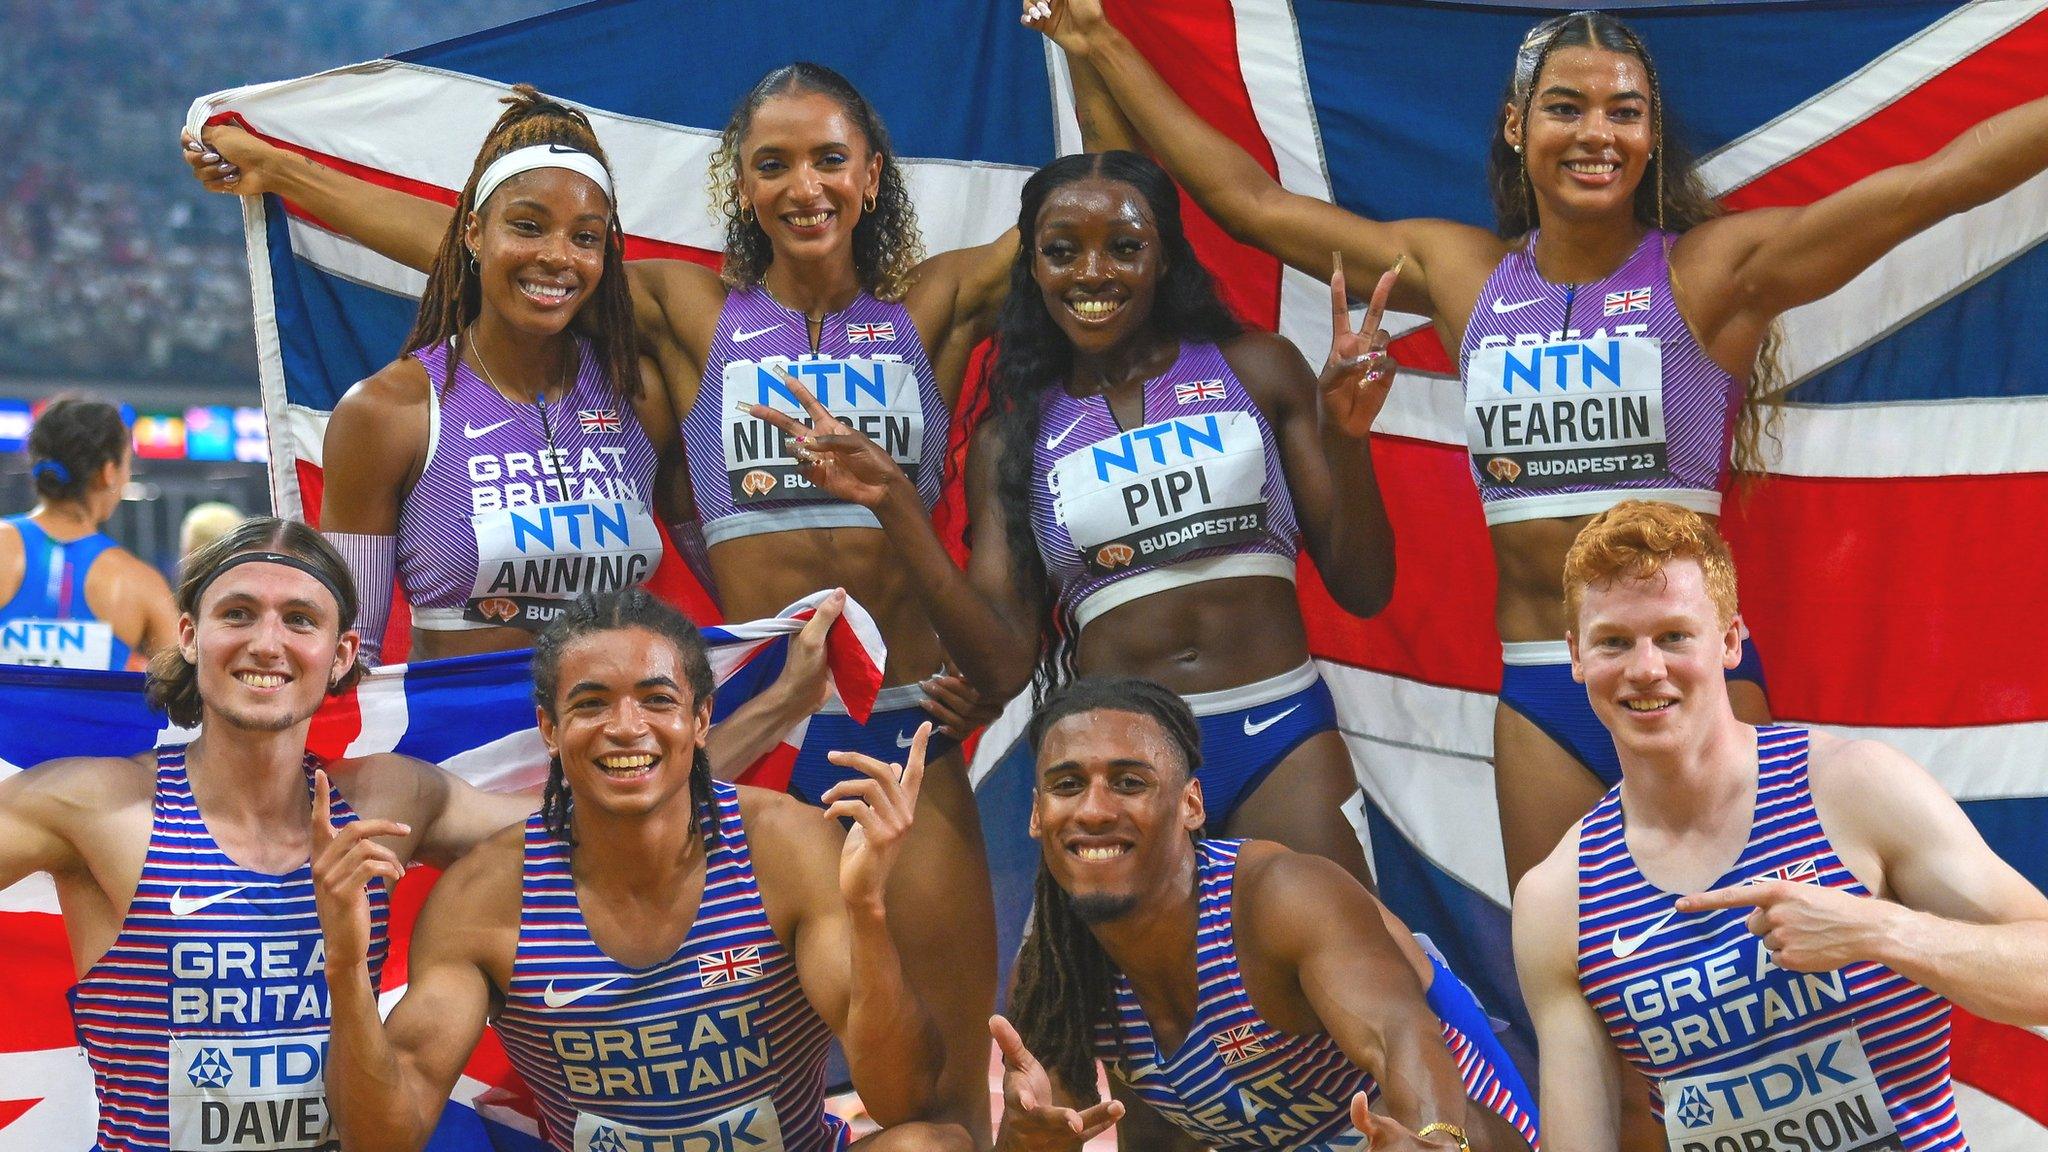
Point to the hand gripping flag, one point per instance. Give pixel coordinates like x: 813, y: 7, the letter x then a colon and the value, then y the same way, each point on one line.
x: 473, y: 715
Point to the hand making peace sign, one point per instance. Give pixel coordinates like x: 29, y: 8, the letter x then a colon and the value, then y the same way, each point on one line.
x: 1356, y: 377
x: 834, y: 455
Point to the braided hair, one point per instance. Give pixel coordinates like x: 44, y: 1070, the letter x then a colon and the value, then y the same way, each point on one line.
x: 454, y: 294
x: 1674, y: 199
x: 886, y: 244
x: 1033, y: 356
x: 1065, y: 982
x: 617, y: 611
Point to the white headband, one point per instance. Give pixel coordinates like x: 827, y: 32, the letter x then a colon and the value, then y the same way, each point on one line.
x: 541, y: 156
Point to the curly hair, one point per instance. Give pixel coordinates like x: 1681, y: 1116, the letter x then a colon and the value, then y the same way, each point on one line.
x: 1674, y: 199
x: 1634, y: 540
x: 1032, y: 356
x: 886, y: 244
x: 74, y: 437
x: 454, y: 293
x: 617, y: 611
x: 173, y: 681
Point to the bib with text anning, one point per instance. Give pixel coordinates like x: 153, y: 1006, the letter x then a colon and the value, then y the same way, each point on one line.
x: 533, y: 560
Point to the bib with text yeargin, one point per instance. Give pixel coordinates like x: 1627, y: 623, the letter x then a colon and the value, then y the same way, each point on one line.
x: 250, y: 1093
x: 534, y: 559
x: 1819, y: 1097
x: 1158, y: 492
x: 877, y: 395
x: 1558, y: 412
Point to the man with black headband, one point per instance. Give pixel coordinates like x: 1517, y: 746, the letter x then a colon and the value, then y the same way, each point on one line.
x: 184, y: 872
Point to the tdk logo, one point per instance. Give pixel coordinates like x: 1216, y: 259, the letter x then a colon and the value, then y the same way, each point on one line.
x: 1694, y: 1110
x: 1565, y: 364
x: 1156, y: 444
x: 1771, y: 1086
x: 210, y: 1069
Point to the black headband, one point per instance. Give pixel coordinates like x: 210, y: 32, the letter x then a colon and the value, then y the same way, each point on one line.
x: 240, y: 558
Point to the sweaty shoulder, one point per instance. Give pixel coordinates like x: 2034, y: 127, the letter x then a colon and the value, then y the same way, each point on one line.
x: 97, y: 781
x: 1275, y: 882
x: 1269, y: 366
x: 387, y: 786
x: 1546, y: 902
x: 676, y: 301
x: 484, y: 887
x: 785, y: 833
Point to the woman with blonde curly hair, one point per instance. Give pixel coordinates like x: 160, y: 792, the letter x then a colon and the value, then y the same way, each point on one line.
x: 823, y: 279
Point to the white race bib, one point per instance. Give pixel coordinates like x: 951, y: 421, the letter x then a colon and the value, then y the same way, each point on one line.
x: 533, y: 560
x: 250, y: 1094
x: 1563, y: 412
x: 877, y: 395
x: 1821, y: 1095
x: 1155, y: 493
x: 57, y: 643
x: 750, y: 1127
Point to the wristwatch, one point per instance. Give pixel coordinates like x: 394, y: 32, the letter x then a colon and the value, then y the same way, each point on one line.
x: 1455, y: 1133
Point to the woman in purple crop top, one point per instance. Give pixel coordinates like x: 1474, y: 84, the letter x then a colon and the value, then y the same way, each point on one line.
x: 1585, y: 172
x: 819, y: 221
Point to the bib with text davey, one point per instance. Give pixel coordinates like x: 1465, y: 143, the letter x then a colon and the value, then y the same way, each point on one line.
x: 1156, y: 493
x: 1550, y: 413
x: 533, y: 560
x: 1818, y: 1097
x: 57, y: 643
x: 749, y: 1127
x: 876, y: 394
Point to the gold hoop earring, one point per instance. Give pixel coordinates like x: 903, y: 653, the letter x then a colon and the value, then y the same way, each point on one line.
x: 746, y: 213
x: 868, y: 205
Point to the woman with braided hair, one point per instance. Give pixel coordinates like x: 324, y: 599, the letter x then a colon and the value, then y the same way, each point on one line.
x: 1609, y: 259
x: 822, y: 276
x: 69, y: 596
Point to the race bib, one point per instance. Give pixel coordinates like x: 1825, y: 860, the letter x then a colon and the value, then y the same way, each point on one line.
x: 57, y: 643
x: 1154, y: 494
x: 877, y: 395
x: 533, y: 560
x: 750, y: 1127
x: 1821, y: 1095
x: 1566, y: 412
x: 250, y: 1094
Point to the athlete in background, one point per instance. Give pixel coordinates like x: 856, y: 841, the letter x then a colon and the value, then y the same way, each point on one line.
x: 69, y: 596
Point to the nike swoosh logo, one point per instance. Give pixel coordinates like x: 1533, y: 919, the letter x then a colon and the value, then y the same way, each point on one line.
x: 182, y: 905
x: 1502, y: 307
x: 743, y: 337
x: 1625, y: 946
x: 554, y: 999
x: 470, y: 432
x: 903, y: 739
x: 1055, y: 441
x: 1251, y: 729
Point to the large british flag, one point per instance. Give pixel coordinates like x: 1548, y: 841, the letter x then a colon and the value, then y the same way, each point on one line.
x: 1891, y: 566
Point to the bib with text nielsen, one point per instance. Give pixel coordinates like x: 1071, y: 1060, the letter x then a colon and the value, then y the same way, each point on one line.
x: 1156, y: 493
x: 877, y: 395
x: 1561, y: 412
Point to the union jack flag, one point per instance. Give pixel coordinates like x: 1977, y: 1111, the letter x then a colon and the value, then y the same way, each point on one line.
x: 1197, y: 390
x: 1632, y: 300
x: 870, y: 333
x: 730, y: 966
x: 1237, y: 1045
x: 598, y: 420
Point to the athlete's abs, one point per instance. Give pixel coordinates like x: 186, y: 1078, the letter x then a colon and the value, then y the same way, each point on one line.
x: 1201, y: 637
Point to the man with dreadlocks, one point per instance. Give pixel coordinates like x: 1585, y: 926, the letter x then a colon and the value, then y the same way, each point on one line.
x: 1242, y: 996
x: 665, y: 955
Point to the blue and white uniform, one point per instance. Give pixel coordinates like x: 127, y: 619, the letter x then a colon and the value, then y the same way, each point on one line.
x: 1236, y: 1083
x: 206, y: 1022
x: 1195, y: 493
x: 715, y: 1047
x: 1744, y: 1054
x: 48, y: 622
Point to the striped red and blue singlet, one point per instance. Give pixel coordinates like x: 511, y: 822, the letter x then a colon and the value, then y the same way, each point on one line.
x: 1742, y: 1052
x: 1196, y: 492
x: 869, y: 369
x: 206, y: 1022
x: 714, y: 1047
x: 1237, y: 1083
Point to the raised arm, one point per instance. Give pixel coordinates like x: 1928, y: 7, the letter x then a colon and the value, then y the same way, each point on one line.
x: 1581, y: 1102
x: 985, y: 621
x: 1959, y: 919
x: 1235, y: 190
x: 394, y: 224
x: 1752, y: 266
x: 388, y: 1081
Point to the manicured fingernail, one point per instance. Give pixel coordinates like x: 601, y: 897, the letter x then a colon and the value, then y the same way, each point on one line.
x: 230, y: 178
x: 211, y: 157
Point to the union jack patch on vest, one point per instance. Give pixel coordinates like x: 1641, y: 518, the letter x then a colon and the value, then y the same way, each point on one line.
x: 598, y: 420
x: 730, y: 966
x: 1197, y: 390
x: 1238, y: 1045
x: 870, y: 333
x: 1631, y: 300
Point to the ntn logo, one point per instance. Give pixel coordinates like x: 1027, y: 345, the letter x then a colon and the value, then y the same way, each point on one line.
x: 1157, y: 444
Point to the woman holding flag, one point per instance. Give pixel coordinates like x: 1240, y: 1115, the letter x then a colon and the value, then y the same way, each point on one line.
x: 1607, y: 254
x: 821, y: 277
